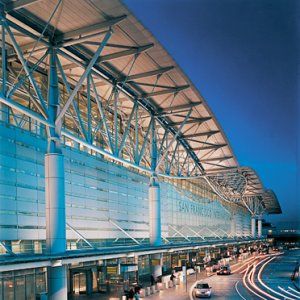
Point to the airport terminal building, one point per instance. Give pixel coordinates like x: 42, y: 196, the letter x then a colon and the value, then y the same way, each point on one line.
x: 112, y: 166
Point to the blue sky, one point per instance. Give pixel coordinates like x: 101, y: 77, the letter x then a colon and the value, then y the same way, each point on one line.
x: 242, y: 56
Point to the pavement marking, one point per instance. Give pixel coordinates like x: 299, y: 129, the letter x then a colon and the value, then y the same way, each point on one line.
x: 291, y: 294
x: 236, y: 288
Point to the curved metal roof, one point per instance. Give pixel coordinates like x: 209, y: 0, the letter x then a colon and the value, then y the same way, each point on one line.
x: 134, y: 61
x: 155, y: 76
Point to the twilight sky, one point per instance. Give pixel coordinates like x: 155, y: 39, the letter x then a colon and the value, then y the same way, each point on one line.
x: 242, y: 56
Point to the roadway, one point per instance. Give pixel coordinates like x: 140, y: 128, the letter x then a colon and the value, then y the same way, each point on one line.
x: 223, y: 287
x: 265, y: 277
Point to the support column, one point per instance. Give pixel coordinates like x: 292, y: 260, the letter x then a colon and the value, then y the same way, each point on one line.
x: 154, y: 195
x: 253, y: 227
x: 259, y: 227
x: 55, y: 223
x: 233, y: 224
x: 55, y: 192
x: 154, y: 212
x: 156, y: 263
x: 4, y: 110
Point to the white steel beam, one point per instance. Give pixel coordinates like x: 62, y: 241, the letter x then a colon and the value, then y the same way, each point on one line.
x: 80, y: 235
x: 14, y: 5
x: 192, y: 120
x: 128, y: 52
x: 174, y: 139
x: 178, y: 107
x: 200, y: 134
x: 166, y: 91
x: 83, y: 77
x: 148, y: 74
x: 90, y: 29
x: 124, y: 231
x: 216, y: 146
x: 181, y: 234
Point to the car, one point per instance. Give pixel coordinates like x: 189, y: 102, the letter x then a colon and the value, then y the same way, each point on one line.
x: 225, y: 270
x: 202, y: 290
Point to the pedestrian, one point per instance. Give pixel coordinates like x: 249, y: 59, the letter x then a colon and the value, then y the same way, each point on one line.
x: 152, y: 280
x: 131, y: 294
x: 172, y: 278
x: 137, y: 293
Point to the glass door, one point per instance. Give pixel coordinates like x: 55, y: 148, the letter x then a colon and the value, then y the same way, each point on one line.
x: 79, y: 283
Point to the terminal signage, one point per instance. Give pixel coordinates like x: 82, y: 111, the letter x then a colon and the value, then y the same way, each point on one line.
x: 192, y: 207
x: 200, y: 209
x: 155, y: 261
x: 129, y: 268
x: 112, y: 270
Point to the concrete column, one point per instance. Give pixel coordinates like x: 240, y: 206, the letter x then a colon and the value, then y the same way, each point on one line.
x: 157, y: 269
x: 55, y: 203
x: 55, y: 223
x: 259, y: 227
x: 253, y: 227
x: 154, y: 212
x: 4, y: 110
x: 55, y: 191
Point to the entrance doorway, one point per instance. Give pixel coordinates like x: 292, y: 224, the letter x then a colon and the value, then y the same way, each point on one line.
x: 79, y: 283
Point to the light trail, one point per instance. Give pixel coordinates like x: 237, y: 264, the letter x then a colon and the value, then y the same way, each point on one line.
x: 255, y: 285
x: 235, y: 270
x: 247, y: 286
x: 244, y: 262
x: 289, y: 293
x: 293, y: 290
x: 267, y: 287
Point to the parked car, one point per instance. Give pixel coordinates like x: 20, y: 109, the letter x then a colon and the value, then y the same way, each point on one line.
x: 224, y: 270
x: 202, y: 290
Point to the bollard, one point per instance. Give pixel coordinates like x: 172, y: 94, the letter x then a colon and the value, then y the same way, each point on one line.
x: 152, y: 289
x: 143, y: 293
x: 148, y: 289
x: 160, y: 286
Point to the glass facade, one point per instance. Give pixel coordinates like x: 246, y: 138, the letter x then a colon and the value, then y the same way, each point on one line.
x: 23, y: 284
x: 97, y: 191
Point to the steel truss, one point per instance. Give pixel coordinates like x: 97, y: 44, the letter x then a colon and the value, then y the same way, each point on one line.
x: 103, y: 109
x: 115, y: 122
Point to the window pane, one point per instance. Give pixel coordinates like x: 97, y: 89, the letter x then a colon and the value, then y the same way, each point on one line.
x: 20, y: 287
x: 8, y: 289
x: 30, y: 293
x: 40, y: 281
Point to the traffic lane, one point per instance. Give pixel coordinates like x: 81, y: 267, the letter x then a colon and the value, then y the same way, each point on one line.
x: 231, y: 286
x: 279, y: 271
x: 224, y: 287
x: 275, y: 276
